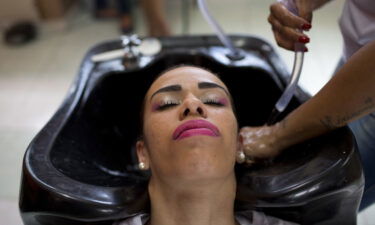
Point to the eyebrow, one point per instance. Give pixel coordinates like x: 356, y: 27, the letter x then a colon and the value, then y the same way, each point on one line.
x: 203, y: 85
x: 170, y: 88
x: 177, y: 87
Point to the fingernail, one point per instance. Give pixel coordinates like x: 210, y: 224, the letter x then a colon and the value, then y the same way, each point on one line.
x: 306, y: 26
x: 305, y: 49
x: 304, y: 39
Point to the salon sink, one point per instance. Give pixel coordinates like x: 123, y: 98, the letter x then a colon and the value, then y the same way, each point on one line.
x: 81, y: 167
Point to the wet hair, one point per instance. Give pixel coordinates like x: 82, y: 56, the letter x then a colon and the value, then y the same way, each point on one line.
x: 140, y: 135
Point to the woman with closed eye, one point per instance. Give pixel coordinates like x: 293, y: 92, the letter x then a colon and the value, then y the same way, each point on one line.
x: 190, y: 145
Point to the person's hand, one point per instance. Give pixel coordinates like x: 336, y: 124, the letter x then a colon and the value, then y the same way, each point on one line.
x: 259, y: 143
x: 287, y: 27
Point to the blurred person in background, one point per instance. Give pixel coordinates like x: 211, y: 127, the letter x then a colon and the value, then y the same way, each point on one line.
x: 155, y: 17
x: 153, y: 10
x: 121, y: 9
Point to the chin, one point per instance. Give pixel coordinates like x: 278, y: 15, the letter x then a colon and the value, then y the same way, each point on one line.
x: 199, y: 144
x: 204, y: 169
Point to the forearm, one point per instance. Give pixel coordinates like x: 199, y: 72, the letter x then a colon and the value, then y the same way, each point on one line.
x: 348, y: 96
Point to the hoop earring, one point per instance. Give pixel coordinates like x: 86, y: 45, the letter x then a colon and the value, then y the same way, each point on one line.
x: 240, y: 157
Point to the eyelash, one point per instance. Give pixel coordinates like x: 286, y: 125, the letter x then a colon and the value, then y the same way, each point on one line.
x: 168, y: 104
x: 213, y: 102
x: 171, y: 103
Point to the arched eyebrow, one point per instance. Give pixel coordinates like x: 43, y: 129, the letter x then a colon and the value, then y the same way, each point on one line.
x: 177, y: 87
x: 170, y: 88
x: 203, y: 85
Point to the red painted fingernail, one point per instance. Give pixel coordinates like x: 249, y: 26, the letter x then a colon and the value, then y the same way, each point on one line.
x: 306, y: 26
x: 305, y: 49
x: 304, y: 39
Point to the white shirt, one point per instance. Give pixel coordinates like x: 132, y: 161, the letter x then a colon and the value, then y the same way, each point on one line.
x: 357, y: 24
x: 243, y: 218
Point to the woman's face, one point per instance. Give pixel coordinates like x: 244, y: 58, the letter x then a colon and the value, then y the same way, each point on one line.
x: 190, y: 130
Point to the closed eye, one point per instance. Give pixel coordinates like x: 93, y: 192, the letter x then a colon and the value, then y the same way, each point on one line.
x: 213, y: 102
x: 167, y: 104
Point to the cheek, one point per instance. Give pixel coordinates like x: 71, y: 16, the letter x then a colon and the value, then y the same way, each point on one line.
x: 153, y: 130
x: 227, y: 121
x: 157, y: 128
x: 231, y: 128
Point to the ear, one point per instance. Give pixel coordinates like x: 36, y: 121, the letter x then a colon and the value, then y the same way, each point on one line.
x: 142, y: 154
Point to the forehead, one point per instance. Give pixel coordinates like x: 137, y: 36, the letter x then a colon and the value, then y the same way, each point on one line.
x: 186, y: 76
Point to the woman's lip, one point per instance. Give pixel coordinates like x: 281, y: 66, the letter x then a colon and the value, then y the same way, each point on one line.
x: 195, y: 127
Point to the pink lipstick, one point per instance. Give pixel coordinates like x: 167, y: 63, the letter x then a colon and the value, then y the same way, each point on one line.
x: 195, y: 127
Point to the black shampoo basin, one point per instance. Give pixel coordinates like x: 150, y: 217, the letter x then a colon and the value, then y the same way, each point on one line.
x: 81, y: 167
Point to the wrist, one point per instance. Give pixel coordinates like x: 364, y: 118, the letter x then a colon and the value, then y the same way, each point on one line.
x: 283, y: 136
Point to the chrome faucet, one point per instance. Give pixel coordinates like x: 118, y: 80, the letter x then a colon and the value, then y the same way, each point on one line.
x: 130, y: 44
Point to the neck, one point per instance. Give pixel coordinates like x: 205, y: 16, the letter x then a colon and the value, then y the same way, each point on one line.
x: 193, y: 203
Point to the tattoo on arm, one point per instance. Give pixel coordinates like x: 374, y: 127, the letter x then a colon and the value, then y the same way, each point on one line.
x: 331, y: 123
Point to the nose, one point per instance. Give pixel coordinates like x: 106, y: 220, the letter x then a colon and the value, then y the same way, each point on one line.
x: 192, y: 106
